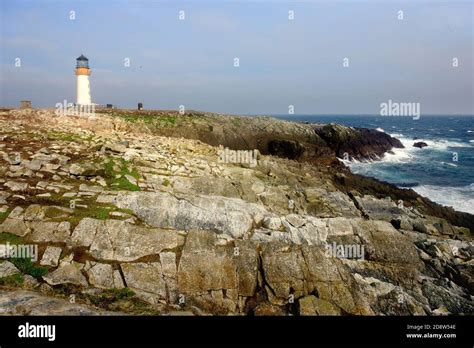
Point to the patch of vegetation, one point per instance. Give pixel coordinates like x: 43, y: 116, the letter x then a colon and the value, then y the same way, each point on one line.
x: 110, y: 296
x: 124, y: 169
x: 55, y: 135
x: 147, y: 118
x: 168, y: 119
x: 25, y: 265
x: 236, y: 121
x: 4, y: 215
x: 94, y: 211
x: 6, y: 237
x: 166, y: 182
x: 123, y: 184
x: 54, y: 212
x: 54, y: 199
x: 14, y: 280
x: 67, y: 289
x: 125, y: 211
x: 123, y: 300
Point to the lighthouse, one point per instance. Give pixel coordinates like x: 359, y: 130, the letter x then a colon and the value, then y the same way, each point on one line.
x: 83, y: 87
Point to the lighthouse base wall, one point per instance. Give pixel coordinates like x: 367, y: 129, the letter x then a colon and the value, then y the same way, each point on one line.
x: 83, y: 90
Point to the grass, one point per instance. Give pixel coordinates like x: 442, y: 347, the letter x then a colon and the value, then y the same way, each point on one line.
x: 4, y: 215
x: 147, y: 119
x: 123, y: 300
x: 10, y: 238
x: 15, y: 280
x: 236, y: 121
x: 94, y: 210
x: 110, y: 296
x: 121, y: 183
x: 54, y: 135
x: 26, y: 266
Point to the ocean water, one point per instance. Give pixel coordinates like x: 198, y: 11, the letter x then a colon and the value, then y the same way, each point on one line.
x: 442, y: 172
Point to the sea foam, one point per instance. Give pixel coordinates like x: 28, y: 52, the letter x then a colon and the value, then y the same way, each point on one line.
x: 460, y: 198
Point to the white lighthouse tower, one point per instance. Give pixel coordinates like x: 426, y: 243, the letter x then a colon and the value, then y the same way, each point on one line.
x: 83, y: 86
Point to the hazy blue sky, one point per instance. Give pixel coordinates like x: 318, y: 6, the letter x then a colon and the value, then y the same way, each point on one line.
x: 282, y: 62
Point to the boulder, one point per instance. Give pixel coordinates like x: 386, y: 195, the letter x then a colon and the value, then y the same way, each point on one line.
x: 102, y: 275
x: 117, y: 240
x: 87, y: 169
x: 51, y: 256
x: 220, y: 214
x: 49, y: 231
x: 8, y: 269
x: 15, y: 224
x: 384, y: 243
x: 420, y: 144
x: 66, y: 274
x: 146, y: 279
x: 16, y: 186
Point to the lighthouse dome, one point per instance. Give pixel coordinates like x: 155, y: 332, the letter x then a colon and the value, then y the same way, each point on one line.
x: 82, y: 62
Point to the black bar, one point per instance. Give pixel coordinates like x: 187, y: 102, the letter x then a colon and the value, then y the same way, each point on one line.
x: 290, y: 331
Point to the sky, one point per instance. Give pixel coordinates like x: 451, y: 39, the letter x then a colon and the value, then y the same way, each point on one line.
x: 283, y: 62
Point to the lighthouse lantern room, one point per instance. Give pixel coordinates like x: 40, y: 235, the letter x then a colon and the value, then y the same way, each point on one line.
x: 83, y: 87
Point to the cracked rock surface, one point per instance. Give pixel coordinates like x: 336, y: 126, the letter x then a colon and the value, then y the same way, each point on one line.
x: 127, y: 218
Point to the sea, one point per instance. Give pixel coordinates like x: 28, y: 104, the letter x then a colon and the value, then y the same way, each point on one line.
x: 443, y: 171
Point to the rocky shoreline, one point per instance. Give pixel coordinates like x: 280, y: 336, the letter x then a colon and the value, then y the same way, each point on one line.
x: 137, y: 213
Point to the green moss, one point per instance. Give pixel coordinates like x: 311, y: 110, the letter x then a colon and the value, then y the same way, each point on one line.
x: 166, y: 182
x: 14, y: 280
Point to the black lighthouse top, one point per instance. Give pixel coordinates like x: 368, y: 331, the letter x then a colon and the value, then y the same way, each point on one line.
x: 82, y: 62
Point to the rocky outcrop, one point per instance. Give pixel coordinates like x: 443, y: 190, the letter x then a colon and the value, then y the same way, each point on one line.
x: 420, y: 144
x: 357, y: 143
x: 141, y: 223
